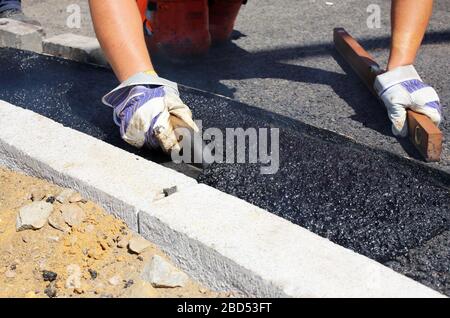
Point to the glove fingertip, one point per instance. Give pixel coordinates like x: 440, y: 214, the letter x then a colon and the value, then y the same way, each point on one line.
x: 402, y: 133
x: 176, y: 148
x: 194, y: 127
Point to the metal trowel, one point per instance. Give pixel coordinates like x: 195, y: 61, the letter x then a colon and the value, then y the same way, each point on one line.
x: 192, y: 163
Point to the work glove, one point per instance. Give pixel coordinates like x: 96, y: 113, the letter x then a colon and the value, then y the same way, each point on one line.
x: 148, y: 110
x: 402, y: 88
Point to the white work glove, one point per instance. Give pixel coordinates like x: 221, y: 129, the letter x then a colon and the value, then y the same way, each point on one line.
x: 148, y: 110
x: 402, y: 88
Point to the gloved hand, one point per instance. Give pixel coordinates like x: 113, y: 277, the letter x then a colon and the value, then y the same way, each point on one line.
x: 148, y: 111
x: 402, y: 88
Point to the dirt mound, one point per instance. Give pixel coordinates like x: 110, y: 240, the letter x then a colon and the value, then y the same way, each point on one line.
x: 80, y: 251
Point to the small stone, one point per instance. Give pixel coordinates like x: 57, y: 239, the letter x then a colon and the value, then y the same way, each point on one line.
x: 140, y: 258
x: 78, y: 291
x: 76, y: 197
x: 73, y: 214
x: 74, y: 279
x: 49, y: 276
x: 115, y: 280
x: 128, y: 283
x: 93, y: 273
x: 95, y: 254
x: 169, y: 191
x: 73, y: 240
x: 57, y: 222
x: 90, y: 228
x: 53, y: 238
x: 162, y: 274
x: 42, y: 264
x: 123, y: 243
x: 26, y: 238
x: 98, y: 286
x: 202, y: 290
x: 141, y: 289
x: 51, y: 291
x: 50, y: 199
x: 33, y: 216
x: 138, y: 244
x: 64, y: 196
x: 37, y: 194
x: 123, y: 230
x: 10, y: 273
x: 104, y: 245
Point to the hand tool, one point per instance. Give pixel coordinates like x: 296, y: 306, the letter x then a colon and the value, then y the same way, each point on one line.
x: 423, y: 133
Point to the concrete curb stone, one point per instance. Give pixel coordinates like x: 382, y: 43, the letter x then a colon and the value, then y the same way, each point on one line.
x: 19, y: 35
x: 224, y: 242
x: 75, y: 47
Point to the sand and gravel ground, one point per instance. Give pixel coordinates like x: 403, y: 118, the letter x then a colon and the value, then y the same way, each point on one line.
x: 45, y: 262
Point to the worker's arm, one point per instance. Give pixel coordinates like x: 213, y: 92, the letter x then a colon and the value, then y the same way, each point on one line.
x: 409, y: 20
x: 119, y: 30
x: 146, y: 107
x: 401, y: 86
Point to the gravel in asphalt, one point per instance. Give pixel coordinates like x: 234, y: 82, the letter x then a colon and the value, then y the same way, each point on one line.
x: 369, y: 200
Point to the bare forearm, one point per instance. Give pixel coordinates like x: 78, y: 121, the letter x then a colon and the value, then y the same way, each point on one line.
x: 409, y: 22
x: 119, y: 30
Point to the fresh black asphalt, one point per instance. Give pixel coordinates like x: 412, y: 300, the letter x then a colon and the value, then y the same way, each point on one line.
x: 388, y: 208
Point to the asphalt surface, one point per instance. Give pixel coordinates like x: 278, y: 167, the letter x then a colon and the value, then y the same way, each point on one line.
x: 282, y: 60
x: 391, y: 209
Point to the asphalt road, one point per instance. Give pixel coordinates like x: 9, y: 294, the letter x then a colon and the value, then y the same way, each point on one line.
x: 282, y: 60
x: 391, y: 209
x: 282, y: 63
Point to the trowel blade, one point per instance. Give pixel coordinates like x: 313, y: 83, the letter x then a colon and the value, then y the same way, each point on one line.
x: 195, y: 164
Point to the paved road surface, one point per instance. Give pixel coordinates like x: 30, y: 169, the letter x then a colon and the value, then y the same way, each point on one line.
x: 282, y: 61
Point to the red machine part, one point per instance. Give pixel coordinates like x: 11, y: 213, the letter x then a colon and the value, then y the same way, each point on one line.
x: 179, y: 28
x: 222, y: 16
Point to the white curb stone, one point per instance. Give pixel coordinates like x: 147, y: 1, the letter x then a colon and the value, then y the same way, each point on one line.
x: 121, y: 182
x: 19, y: 35
x: 222, y: 241
x: 75, y: 47
x: 228, y: 243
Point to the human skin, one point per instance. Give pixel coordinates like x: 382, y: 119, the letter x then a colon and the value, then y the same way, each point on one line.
x: 118, y: 27
x: 123, y: 41
x: 409, y: 19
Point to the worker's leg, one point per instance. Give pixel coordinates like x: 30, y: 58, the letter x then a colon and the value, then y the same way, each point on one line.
x: 119, y: 29
x: 409, y: 22
x: 12, y: 9
x: 9, y: 5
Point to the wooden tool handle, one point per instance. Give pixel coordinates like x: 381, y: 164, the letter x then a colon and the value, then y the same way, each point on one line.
x: 423, y: 133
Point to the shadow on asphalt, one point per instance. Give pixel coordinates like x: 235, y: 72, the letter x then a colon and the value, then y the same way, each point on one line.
x: 368, y: 200
x: 230, y: 62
